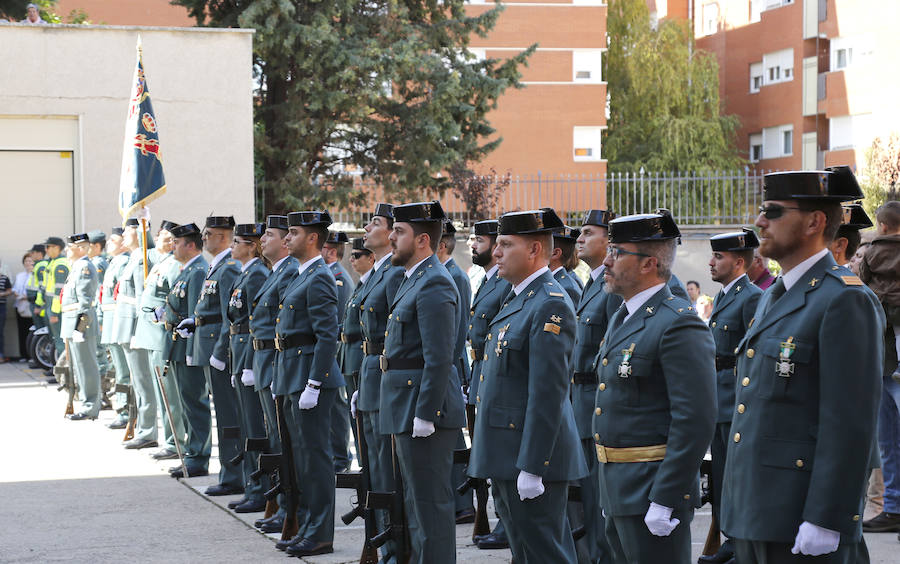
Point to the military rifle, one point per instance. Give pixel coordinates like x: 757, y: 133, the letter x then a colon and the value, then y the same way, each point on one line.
x: 267, y: 464
x: 713, y: 537
x: 479, y: 485
x: 64, y: 373
x: 360, y: 482
x: 131, y: 406
x: 397, y: 529
x: 165, y: 398
x: 287, y: 474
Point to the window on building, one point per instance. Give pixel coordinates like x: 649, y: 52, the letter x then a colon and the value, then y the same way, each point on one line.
x: 586, y: 65
x: 710, y: 18
x: 779, y: 66
x: 846, y: 132
x: 850, y: 51
x: 777, y: 141
x: 787, y: 146
x: 843, y: 57
x: 756, y: 77
x: 586, y: 143
x: 755, y: 147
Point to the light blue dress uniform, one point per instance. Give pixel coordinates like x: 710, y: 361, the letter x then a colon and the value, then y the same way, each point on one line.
x: 108, y: 322
x: 101, y: 263
x: 77, y: 303
x: 340, y: 419
x: 570, y: 283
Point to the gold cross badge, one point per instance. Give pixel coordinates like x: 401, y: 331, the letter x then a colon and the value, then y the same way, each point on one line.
x: 813, y: 282
x: 555, y: 318
x: 649, y: 309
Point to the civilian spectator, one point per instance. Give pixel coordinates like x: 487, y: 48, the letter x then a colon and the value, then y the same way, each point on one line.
x: 693, y: 290
x: 23, y: 306
x: 857, y: 258
x: 34, y: 15
x: 759, y: 272
x: 5, y: 291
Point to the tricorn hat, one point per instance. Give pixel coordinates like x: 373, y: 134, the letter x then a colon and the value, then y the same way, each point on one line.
x: 543, y: 220
x: 487, y: 228
x: 600, y: 218
x: 855, y: 217
x: 277, y: 222
x: 337, y: 238
x: 78, y: 238
x: 568, y: 233
x: 657, y: 226
x: 220, y: 222
x: 419, y: 212
x: 309, y: 218
x: 185, y: 230
x: 836, y: 184
x: 359, y: 245
x: 255, y: 230
x: 742, y: 240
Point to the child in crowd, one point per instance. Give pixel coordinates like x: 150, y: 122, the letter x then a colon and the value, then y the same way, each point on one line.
x: 880, y: 267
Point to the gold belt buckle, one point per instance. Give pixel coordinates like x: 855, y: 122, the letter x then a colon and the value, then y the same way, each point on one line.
x: 601, y: 454
x: 343, y: 338
x: 279, y: 344
x: 383, y: 363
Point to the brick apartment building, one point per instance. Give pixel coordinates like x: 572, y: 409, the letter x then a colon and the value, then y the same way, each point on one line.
x: 810, y: 80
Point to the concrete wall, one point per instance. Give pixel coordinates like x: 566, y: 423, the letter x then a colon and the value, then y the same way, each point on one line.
x: 64, y: 95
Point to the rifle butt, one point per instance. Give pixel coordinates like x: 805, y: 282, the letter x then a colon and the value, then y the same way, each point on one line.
x: 713, y: 538
x: 290, y: 527
x: 70, y: 408
x: 369, y: 554
x: 129, y: 431
x: 482, y: 526
x: 271, y: 508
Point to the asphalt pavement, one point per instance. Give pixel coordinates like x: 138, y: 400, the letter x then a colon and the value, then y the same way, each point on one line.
x: 70, y: 491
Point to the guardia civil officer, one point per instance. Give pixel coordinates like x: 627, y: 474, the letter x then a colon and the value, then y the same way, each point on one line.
x: 189, y: 378
x: 421, y: 403
x: 802, y: 434
x: 120, y: 253
x: 655, y: 406
x: 465, y: 512
x: 563, y: 252
x: 848, y: 239
x: 78, y: 325
x: 333, y: 253
x: 593, y: 312
x: 733, y: 307
x: 487, y: 301
x: 525, y: 438
x: 247, y: 250
x: 307, y: 374
x: 262, y: 329
x: 99, y: 258
x: 210, y: 348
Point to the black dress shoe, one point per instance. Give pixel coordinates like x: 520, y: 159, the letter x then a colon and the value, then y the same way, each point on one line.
x: 222, y: 489
x: 177, y: 472
x: 80, y: 417
x: 260, y: 522
x: 884, y: 522
x: 285, y: 544
x: 274, y: 526
x: 465, y: 516
x: 722, y: 556
x: 308, y: 547
x: 135, y: 444
x: 118, y: 423
x: 235, y: 503
x: 493, y: 541
x: 164, y: 454
x: 251, y: 506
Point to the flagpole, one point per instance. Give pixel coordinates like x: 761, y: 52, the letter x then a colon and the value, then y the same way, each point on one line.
x: 144, y: 244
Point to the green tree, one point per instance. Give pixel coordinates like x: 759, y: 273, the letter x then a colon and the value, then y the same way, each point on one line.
x: 664, y: 108
x: 880, y: 179
x: 383, y: 88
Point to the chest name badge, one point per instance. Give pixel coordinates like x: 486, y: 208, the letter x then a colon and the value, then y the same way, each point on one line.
x: 625, y: 367
x: 784, y: 367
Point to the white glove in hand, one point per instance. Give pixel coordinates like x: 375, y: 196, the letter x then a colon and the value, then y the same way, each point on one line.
x: 813, y: 540
x: 143, y: 213
x: 422, y: 428
x: 78, y: 336
x: 216, y: 363
x: 353, y: 399
x: 132, y: 343
x: 159, y: 314
x: 529, y: 485
x: 465, y: 396
x: 310, y: 396
x: 232, y: 381
x: 247, y: 377
x: 659, y: 520
x: 189, y: 360
x: 186, y: 328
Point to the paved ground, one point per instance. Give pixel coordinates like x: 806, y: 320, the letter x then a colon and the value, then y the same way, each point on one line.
x: 70, y: 492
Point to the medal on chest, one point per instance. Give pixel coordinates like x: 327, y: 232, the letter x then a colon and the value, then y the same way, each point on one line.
x: 624, y: 370
x: 784, y: 367
x: 500, y: 341
x: 236, y: 301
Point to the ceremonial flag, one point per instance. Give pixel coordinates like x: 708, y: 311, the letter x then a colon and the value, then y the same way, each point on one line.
x: 142, y: 178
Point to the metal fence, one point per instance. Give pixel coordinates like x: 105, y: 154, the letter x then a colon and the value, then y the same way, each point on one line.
x: 698, y: 199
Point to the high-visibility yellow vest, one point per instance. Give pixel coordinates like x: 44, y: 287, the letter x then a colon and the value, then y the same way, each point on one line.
x: 54, y: 280
x: 35, y: 281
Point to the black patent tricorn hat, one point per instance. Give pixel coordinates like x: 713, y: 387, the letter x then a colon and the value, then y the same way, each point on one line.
x: 855, y: 217
x: 835, y: 183
x: 486, y: 228
x: 419, y: 212
x: 358, y: 244
x: 309, y: 218
x: 78, y: 238
x: 743, y: 240
x: 657, y: 226
x: 185, y: 230
x: 600, y: 218
x: 220, y: 222
x: 384, y: 210
x: 277, y: 222
x: 568, y: 233
x: 543, y: 220
x: 250, y: 230
x: 337, y: 238
x: 168, y: 225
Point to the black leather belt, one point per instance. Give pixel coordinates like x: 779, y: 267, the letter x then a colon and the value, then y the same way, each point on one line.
x: 349, y: 339
x: 239, y: 328
x: 200, y: 320
x: 724, y: 362
x: 296, y: 340
x: 373, y: 347
x: 400, y: 363
x: 263, y: 344
x: 585, y: 378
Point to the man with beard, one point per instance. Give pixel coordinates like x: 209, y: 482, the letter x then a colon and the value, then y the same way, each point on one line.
x: 802, y: 435
x: 421, y: 404
x: 655, y: 409
x: 733, y: 308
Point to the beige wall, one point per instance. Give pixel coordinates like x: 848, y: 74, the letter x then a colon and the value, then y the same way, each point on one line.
x: 64, y: 91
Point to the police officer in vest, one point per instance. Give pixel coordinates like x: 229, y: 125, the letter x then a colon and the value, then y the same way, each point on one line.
x: 525, y: 438
x: 34, y: 288
x: 54, y: 279
x: 120, y: 253
x: 733, y: 308
x: 592, y: 314
x: 79, y: 325
x: 802, y: 435
x: 262, y: 329
x: 563, y: 253
x: 306, y: 336
x: 655, y: 408
x: 421, y: 403
x: 189, y: 378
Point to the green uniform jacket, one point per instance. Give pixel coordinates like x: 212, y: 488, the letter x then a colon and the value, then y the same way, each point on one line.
x: 180, y: 304
x: 78, y: 298
x: 350, y: 354
x: 567, y: 281
x: 464, y: 288
x: 666, y: 397
x: 731, y: 315
x: 108, y: 296
x: 265, y: 312
x: 422, y: 325
x: 245, y: 287
x: 344, y: 288
x: 809, y: 383
x: 101, y: 263
x: 594, y: 310
x: 308, y: 307
x: 148, y: 334
x: 211, y: 339
x: 525, y: 419
x: 677, y: 288
x: 374, y: 302
x: 131, y: 286
x: 485, y: 305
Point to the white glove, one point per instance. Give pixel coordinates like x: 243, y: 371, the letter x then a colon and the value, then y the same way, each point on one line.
x: 529, y: 485
x: 422, y: 428
x: 159, y: 314
x: 247, y: 377
x: 132, y: 342
x: 353, y: 399
x: 232, y: 382
x: 813, y: 540
x: 143, y: 213
x: 465, y: 396
x: 659, y: 520
x: 310, y: 396
x: 186, y: 328
x: 189, y: 360
x: 216, y: 363
x: 78, y: 336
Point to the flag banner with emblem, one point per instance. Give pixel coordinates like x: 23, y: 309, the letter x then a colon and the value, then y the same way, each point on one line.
x: 142, y: 178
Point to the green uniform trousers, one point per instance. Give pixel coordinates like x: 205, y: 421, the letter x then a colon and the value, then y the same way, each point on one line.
x: 225, y: 401
x: 253, y: 425
x: 292, y: 417
x: 592, y: 548
x: 315, y: 466
x: 761, y: 552
x: 631, y: 542
x: 537, y: 529
x: 267, y: 402
x: 425, y: 466
x: 381, y: 474
x: 192, y: 389
x: 123, y: 376
x: 458, y: 476
x: 340, y: 429
x: 144, y: 392
x: 83, y: 357
x: 158, y: 361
